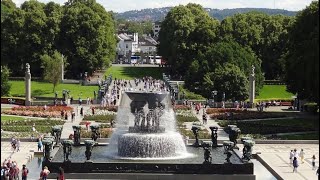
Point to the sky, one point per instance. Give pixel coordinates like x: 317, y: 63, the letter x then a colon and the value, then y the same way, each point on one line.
x: 126, y: 5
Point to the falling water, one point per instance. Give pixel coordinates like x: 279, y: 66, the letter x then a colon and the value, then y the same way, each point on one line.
x: 164, y: 145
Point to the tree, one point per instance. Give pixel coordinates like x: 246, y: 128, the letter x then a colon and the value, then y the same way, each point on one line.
x: 5, y: 85
x: 228, y: 79
x: 52, y: 68
x: 266, y: 35
x: 219, y: 55
x: 7, y: 7
x: 302, y: 56
x: 185, y: 32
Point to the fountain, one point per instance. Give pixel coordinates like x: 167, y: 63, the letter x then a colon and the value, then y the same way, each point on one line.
x: 146, y: 142
x: 148, y: 137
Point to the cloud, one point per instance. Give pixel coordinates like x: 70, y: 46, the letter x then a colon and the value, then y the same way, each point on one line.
x: 126, y: 5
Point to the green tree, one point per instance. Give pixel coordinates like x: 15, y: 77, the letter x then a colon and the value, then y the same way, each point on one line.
x: 302, y: 56
x: 266, y: 35
x: 52, y: 68
x: 219, y: 54
x: 86, y: 36
x: 185, y: 32
x: 12, y: 42
x: 228, y: 79
x: 7, y: 7
x: 5, y: 85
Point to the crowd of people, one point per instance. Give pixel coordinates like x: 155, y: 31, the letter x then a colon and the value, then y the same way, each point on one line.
x: 295, y: 158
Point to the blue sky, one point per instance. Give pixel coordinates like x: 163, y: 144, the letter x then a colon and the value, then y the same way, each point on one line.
x: 125, y: 5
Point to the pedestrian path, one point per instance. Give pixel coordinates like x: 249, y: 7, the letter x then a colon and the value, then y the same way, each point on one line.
x: 277, y: 157
x: 67, y: 127
x: 222, y: 135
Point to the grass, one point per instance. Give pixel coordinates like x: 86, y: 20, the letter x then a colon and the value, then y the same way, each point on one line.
x: 309, y: 136
x: 305, y: 122
x: 130, y: 73
x: 13, y: 118
x: 44, y: 89
x: 269, y: 92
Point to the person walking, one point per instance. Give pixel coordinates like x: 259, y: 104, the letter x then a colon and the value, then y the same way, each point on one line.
x: 313, y: 162
x: 44, y: 173
x: 18, y: 145
x: 61, y: 174
x: 291, y: 155
x: 204, y: 117
x: 25, y: 172
x: 81, y: 111
x: 301, y: 155
x: 39, y: 145
x: 317, y: 173
x: 295, y: 164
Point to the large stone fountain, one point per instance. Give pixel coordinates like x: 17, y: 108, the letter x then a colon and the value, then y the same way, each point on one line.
x: 146, y: 145
x: 148, y: 137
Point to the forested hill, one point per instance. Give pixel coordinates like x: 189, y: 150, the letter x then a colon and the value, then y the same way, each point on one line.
x: 156, y: 14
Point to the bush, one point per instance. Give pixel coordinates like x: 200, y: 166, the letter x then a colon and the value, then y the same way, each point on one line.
x: 311, y: 107
x: 104, y: 133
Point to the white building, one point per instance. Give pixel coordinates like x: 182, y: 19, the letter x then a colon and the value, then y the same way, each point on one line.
x: 128, y: 44
x: 147, y: 45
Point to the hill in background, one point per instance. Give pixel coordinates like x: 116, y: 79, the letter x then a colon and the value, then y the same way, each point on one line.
x: 158, y: 14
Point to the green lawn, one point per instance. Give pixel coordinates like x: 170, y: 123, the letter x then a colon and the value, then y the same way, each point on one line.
x: 14, y: 118
x: 274, y: 92
x: 134, y: 72
x: 309, y: 136
x: 44, y: 89
x: 305, y: 122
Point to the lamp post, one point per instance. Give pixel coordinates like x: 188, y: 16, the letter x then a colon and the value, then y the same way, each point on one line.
x: 214, y: 93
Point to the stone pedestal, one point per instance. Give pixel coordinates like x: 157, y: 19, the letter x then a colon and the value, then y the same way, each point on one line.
x: 28, y: 85
x: 252, y: 88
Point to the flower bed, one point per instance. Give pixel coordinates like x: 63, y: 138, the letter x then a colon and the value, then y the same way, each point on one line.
x: 41, y: 125
x: 108, y: 108
x: 30, y: 122
x: 222, y: 110
x: 181, y: 107
x: 203, y: 134
x: 100, y: 118
x: 104, y: 133
x: 243, y: 115
x: 43, y: 114
x: 41, y: 108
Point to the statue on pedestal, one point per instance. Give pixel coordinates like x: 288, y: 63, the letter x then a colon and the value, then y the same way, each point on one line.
x: 76, y: 134
x: 67, y: 149
x: 47, y: 148
x: 214, y: 135
x: 89, y: 145
x: 234, y: 135
x: 207, y: 154
x: 247, y: 149
x: 195, y: 131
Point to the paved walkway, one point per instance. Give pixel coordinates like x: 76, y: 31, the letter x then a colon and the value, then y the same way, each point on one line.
x: 222, y: 135
x: 277, y: 156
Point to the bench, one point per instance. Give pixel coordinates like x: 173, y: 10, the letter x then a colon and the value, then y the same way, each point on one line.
x: 285, y: 104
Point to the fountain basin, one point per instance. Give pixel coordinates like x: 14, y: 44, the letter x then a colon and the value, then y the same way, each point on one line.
x: 140, y: 145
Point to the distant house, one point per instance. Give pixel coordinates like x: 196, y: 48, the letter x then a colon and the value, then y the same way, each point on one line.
x: 127, y: 45
x: 147, y: 44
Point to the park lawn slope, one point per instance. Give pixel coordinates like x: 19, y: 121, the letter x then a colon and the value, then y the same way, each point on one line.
x: 44, y: 89
x: 130, y: 73
x: 269, y: 92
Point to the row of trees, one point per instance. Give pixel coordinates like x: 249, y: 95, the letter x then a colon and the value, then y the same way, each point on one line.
x: 218, y: 56
x: 82, y: 30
